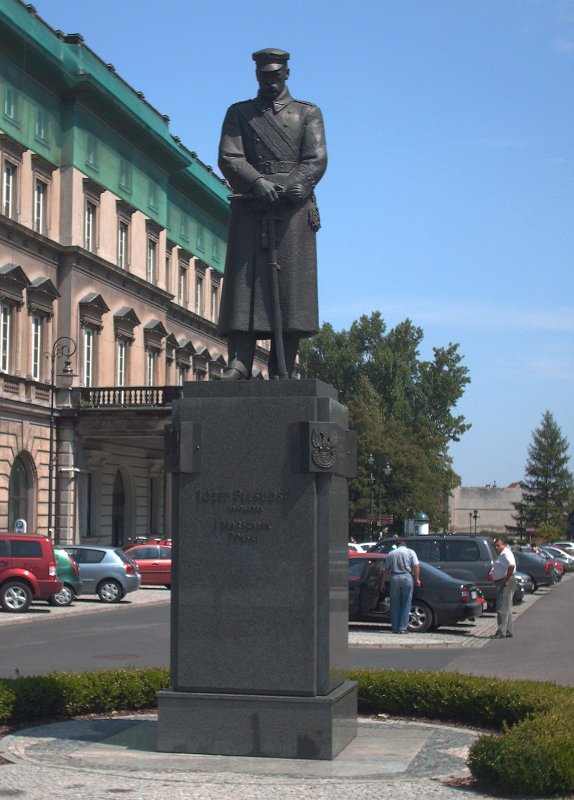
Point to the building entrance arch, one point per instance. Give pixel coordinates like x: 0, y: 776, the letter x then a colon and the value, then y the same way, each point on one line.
x: 21, y: 492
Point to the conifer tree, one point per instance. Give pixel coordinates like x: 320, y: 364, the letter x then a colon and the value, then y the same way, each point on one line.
x: 548, y: 483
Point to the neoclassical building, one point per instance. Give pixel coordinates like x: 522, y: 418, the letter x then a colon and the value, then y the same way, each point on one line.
x: 112, y: 246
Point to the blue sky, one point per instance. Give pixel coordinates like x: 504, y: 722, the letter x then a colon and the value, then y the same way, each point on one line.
x: 449, y: 196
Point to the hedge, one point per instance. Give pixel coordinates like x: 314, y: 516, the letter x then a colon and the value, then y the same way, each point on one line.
x: 529, y: 752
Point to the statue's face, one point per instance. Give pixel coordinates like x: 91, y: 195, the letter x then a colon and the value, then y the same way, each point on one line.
x: 271, y: 84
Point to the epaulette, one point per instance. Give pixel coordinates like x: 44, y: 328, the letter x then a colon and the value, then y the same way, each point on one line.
x: 305, y: 103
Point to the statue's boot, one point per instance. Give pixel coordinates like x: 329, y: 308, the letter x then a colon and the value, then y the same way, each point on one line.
x: 236, y: 371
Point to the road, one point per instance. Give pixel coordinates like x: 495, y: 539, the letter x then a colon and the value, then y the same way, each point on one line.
x: 91, y: 636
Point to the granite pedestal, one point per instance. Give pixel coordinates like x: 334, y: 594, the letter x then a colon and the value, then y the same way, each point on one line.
x: 259, y: 594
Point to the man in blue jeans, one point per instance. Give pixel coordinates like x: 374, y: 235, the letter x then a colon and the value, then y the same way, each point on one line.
x: 403, y: 573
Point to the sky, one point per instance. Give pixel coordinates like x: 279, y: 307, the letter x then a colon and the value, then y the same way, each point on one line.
x: 449, y: 195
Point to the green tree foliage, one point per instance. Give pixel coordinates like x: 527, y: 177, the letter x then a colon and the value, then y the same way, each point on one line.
x: 401, y: 407
x: 547, y: 487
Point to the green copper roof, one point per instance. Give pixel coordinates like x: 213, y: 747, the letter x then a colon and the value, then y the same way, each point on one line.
x: 74, y: 72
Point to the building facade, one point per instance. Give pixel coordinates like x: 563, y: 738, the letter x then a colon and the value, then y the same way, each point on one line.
x: 473, y: 509
x: 112, y: 247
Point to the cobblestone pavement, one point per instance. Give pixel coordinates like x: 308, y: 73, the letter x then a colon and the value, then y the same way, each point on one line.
x: 109, y: 758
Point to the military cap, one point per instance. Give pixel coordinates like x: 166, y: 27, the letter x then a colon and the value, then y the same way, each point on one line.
x: 270, y: 59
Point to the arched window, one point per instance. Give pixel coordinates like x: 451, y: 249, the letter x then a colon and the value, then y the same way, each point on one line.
x: 19, y: 497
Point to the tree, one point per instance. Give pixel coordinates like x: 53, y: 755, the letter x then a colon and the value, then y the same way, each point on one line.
x: 401, y: 407
x: 548, y: 483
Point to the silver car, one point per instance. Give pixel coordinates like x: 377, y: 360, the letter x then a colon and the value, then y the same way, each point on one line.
x: 105, y: 571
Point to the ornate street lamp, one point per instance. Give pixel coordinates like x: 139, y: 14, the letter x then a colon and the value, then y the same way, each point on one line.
x: 63, y: 347
x: 475, y: 516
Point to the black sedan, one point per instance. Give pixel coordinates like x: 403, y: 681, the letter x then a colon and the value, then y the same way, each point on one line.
x: 441, y: 600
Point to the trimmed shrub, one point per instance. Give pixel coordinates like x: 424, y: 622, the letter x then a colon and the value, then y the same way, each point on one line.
x: 7, y: 700
x: 63, y: 694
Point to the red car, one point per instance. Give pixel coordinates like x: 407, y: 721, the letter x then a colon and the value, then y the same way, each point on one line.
x: 154, y: 562
x: 27, y: 570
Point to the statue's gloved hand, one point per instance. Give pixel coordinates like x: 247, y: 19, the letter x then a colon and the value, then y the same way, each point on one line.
x: 295, y: 193
x: 265, y: 191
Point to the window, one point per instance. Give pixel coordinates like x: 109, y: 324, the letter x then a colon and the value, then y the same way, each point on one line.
x: 40, y: 198
x: 36, y: 347
x: 88, y: 356
x: 182, y: 373
x: 9, y: 190
x: 10, y: 103
x: 41, y: 129
x: 92, y: 151
x: 151, y: 260
x: 152, y: 200
x: 20, y: 499
x: 121, y: 366
x: 183, y: 228
x: 199, y: 295
x: 123, y: 232
x: 90, y: 226
x: 182, y: 285
x: 121, y: 376
x: 125, y: 177
x: 20, y: 548
x: 5, y: 320
x: 168, y: 270
x: 213, y: 304
x: 150, y: 368
x: 200, y: 239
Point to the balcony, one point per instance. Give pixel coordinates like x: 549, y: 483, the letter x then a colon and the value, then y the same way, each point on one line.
x: 128, y: 397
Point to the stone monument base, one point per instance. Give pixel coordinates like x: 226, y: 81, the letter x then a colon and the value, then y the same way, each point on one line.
x: 257, y: 725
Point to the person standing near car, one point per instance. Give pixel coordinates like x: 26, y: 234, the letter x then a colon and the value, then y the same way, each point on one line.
x: 503, y: 574
x: 403, y: 574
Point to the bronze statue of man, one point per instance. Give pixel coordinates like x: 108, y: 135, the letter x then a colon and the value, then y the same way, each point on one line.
x: 272, y: 152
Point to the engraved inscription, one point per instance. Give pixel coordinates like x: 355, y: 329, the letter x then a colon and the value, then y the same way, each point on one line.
x: 242, y: 515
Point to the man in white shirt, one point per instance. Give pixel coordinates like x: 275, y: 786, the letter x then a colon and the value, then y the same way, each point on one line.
x: 505, y: 580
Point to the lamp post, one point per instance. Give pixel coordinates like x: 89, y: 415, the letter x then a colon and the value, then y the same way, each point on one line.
x: 475, y: 516
x: 63, y: 347
x: 470, y: 522
x: 379, y: 472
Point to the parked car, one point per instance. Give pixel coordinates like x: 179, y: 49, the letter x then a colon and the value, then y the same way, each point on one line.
x: 465, y: 557
x: 539, y: 570
x: 69, y: 576
x: 559, y: 555
x: 27, y: 570
x: 441, y: 600
x: 105, y: 571
x: 525, y: 581
x: 568, y: 547
x: 154, y: 562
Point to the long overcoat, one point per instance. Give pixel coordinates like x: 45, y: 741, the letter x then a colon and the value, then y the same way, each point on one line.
x: 284, y: 141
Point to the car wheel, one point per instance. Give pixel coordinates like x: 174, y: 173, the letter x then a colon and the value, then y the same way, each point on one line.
x: 65, y: 597
x: 420, y: 618
x: 534, y: 584
x: 110, y: 591
x: 15, y: 597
